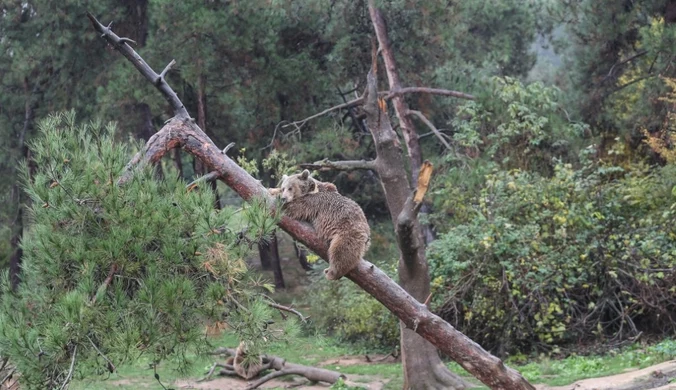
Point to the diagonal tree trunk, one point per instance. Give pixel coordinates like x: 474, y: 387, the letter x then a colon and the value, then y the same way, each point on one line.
x: 422, y: 365
x: 181, y: 131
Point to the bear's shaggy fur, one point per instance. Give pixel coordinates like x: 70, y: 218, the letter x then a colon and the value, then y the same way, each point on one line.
x: 337, y: 219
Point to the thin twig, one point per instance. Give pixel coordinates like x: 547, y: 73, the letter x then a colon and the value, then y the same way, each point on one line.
x: 429, y: 124
x: 209, y: 177
x: 429, y: 91
x: 290, y: 310
x: 349, y: 104
x: 387, y: 95
x: 111, y: 366
x: 70, y: 372
x: 225, y: 367
x: 327, y: 165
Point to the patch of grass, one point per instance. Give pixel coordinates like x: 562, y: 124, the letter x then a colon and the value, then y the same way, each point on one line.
x: 317, y: 349
x: 573, y: 368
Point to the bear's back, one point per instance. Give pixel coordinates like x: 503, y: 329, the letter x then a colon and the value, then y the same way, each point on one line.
x: 330, y: 214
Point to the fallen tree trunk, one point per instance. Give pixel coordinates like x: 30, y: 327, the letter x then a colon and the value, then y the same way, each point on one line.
x: 280, y: 368
x: 182, y: 131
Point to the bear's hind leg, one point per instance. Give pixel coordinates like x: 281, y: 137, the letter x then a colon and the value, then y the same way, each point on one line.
x: 344, y: 255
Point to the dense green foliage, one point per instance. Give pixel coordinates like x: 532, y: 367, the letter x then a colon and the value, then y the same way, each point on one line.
x: 529, y: 260
x: 111, y: 272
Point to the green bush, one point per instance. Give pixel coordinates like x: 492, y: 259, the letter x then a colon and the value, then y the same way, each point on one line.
x: 112, y: 272
x: 532, y: 261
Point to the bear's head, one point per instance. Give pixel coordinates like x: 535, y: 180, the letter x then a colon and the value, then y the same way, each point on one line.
x: 298, y: 185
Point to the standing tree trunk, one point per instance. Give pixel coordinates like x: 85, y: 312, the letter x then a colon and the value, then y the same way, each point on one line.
x: 301, y: 254
x: 268, y: 252
x: 17, y: 235
x: 423, y: 368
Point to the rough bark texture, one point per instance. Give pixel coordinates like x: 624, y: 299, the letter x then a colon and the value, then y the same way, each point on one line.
x: 182, y: 132
x: 422, y: 365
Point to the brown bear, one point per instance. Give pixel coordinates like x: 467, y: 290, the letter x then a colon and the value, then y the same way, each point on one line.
x: 320, y: 187
x: 337, y: 219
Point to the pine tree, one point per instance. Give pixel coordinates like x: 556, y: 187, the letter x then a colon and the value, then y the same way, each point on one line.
x: 111, y: 272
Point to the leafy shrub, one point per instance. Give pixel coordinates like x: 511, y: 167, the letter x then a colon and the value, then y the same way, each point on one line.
x: 519, y: 126
x: 535, y: 261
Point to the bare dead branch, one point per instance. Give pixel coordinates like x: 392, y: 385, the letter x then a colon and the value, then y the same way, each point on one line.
x: 106, y: 282
x: 425, y: 90
x: 228, y: 147
x: 70, y: 371
x: 228, y: 368
x: 183, y: 132
x: 120, y: 44
x: 209, y: 177
x: 326, y: 165
x: 349, y: 104
x: 160, y: 78
x: 111, y: 366
x: 429, y: 124
x: 328, y: 376
x: 387, y: 95
x: 290, y: 310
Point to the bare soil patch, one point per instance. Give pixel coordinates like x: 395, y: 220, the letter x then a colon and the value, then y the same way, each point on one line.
x: 658, y: 377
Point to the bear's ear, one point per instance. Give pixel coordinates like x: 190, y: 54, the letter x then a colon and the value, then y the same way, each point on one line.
x: 313, y: 187
x: 305, y: 174
x: 284, y: 177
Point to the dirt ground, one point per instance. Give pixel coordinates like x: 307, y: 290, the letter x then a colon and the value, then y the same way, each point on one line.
x: 658, y: 377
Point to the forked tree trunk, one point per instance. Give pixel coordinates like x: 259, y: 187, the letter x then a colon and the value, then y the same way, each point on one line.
x: 423, y: 368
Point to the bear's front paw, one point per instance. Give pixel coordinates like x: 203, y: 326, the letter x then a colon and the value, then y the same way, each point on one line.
x: 330, y: 274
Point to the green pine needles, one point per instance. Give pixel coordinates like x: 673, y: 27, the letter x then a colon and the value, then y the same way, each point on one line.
x: 111, y: 272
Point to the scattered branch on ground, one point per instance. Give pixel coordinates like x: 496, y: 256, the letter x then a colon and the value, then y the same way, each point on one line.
x: 111, y: 366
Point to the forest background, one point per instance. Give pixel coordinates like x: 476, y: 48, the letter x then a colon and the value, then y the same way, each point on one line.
x: 551, y: 211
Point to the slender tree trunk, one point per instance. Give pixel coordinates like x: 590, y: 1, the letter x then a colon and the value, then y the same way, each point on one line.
x: 269, y: 255
x: 423, y: 368
x: 264, y: 254
x: 301, y: 254
x: 277, y: 263
x: 15, y: 241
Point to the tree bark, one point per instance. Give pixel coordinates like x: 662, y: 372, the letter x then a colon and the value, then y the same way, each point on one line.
x: 423, y: 368
x: 181, y: 131
x: 269, y: 255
